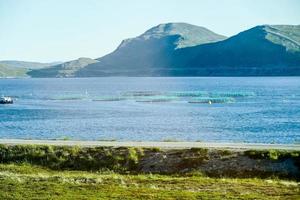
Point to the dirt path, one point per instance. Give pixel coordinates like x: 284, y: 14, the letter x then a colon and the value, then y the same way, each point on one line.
x: 167, y: 145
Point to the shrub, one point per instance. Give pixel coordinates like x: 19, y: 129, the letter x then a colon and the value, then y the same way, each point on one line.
x: 65, y: 157
x: 274, y: 155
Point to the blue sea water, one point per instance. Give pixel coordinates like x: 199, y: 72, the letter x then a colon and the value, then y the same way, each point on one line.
x: 219, y: 109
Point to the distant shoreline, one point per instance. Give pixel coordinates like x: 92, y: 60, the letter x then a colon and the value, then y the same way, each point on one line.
x: 151, y: 144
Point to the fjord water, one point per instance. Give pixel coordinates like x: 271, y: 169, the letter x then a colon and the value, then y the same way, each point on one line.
x: 242, y: 109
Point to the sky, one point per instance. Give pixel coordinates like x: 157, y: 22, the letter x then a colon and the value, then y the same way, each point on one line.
x: 62, y: 30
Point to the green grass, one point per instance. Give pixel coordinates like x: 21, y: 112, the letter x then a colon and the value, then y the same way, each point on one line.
x: 65, y: 172
x: 126, y: 160
x: 72, y: 157
x: 26, y: 181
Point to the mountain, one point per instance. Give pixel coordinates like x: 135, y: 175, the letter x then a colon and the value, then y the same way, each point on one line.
x: 67, y: 69
x: 188, y: 35
x: 134, y: 56
x: 261, y: 51
x: 7, y: 72
x: 180, y: 49
x: 268, y: 50
x: 26, y: 65
x: 151, y: 51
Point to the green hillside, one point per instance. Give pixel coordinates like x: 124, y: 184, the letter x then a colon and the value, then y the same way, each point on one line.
x: 260, y: 51
x: 284, y: 35
x: 67, y: 69
x: 6, y: 71
x: 150, y: 52
x: 180, y: 49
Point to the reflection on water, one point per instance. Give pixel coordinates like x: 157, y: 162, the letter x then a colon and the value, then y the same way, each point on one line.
x: 207, y: 109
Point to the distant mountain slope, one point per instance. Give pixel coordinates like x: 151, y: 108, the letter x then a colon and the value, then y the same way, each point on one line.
x: 67, y: 69
x: 153, y: 49
x: 6, y: 72
x: 180, y: 49
x: 26, y: 65
x: 269, y: 50
x: 262, y: 50
x: 285, y: 35
x: 189, y: 35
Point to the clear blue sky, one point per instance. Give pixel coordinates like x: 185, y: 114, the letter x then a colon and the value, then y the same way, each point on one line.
x: 60, y: 30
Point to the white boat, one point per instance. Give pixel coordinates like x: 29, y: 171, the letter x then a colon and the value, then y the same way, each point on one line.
x: 6, y: 100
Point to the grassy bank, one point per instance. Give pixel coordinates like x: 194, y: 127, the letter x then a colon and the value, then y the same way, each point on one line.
x: 124, y: 160
x: 25, y: 181
x: 74, y: 158
x: 70, y: 172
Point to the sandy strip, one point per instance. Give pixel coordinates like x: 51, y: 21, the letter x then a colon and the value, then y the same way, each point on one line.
x: 167, y: 145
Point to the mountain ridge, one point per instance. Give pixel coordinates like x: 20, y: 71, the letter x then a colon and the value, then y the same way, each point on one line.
x: 251, y: 52
x: 27, y: 64
x: 153, y: 48
x: 182, y: 49
x: 66, y: 69
x: 11, y: 72
x: 193, y: 35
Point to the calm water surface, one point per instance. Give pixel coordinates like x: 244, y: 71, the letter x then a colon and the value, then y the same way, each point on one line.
x: 242, y: 110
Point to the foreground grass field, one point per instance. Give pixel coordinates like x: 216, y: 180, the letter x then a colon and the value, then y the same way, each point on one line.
x: 26, y: 181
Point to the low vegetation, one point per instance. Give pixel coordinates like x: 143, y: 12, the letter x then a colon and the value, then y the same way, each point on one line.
x: 274, y: 155
x: 25, y: 181
x: 75, y: 158
x: 70, y: 172
x: 214, y: 163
